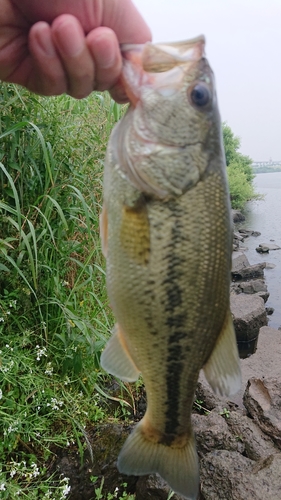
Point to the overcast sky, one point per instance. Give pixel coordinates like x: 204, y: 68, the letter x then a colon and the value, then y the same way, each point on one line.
x: 244, y: 50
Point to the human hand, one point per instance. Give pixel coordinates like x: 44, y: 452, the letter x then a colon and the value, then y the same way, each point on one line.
x: 57, y: 46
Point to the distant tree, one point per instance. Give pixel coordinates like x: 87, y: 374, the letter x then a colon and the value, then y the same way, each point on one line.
x: 241, y: 190
x: 231, y: 143
x: 239, y: 170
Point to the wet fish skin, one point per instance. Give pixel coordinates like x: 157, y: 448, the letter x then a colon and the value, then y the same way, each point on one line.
x: 166, y: 234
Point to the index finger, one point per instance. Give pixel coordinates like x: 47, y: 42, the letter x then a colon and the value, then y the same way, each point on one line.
x: 121, y: 16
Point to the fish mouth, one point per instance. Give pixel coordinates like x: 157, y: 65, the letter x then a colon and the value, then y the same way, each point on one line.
x: 159, y: 57
x: 144, y: 63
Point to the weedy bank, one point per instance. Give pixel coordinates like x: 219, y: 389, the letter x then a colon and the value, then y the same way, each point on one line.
x: 54, y: 314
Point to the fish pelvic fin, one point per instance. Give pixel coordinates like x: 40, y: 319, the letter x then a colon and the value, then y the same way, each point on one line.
x: 178, y: 465
x: 222, y: 369
x: 103, y: 230
x: 116, y: 359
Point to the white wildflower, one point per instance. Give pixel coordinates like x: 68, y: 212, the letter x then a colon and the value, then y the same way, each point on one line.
x: 36, y: 471
x: 41, y: 351
x: 55, y: 404
x: 7, y: 367
x: 1, y: 394
x: 2, y: 487
x: 13, y: 472
x: 66, y: 489
x: 49, y: 369
x: 13, y: 427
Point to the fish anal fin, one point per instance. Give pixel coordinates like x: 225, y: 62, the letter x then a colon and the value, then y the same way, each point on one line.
x: 178, y: 465
x: 104, y: 230
x: 135, y: 232
x: 222, y: 370
x: 116, y: 359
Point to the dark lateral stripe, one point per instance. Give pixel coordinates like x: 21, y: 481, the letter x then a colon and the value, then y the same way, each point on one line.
x: 174, y: 370
x: 176, y: 321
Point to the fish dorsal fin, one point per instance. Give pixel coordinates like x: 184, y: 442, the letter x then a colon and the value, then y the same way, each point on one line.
x: 116, y: 359
x: 222, y: 369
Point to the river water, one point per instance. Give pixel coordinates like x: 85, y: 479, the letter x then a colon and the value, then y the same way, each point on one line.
x: 265, y: 216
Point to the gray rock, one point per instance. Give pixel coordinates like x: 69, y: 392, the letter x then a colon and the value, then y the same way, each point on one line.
x: 238, y: 236
x: 270, y: 246
x: 267, y: 474
x: 262, y: 249
x: 245, y: 273
x: 239, y: 261
x: 264, y: 363
x: 256, y: 445
x: 255, y: 286
x: 212, y: 432
x: 227, y: 475
x: 249, y: 315
x: 235, y: 287
x: 270, y: 265
x: 269, y: 310
x: 242, y: 248
x: 237, y: 216
x: 264, y: 295
x: 249, y: 232
x: 205, y: 394
x: 262, y: 399
x: 155, y: 488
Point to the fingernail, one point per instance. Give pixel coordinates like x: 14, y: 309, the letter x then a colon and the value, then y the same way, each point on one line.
x: 70, y: 38
x: 45, y: 41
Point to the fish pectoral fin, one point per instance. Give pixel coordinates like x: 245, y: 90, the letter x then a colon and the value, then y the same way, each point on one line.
x: 222, y: 369
x: 116, y: 359
x: 176, y: 465
x: 103, y: 230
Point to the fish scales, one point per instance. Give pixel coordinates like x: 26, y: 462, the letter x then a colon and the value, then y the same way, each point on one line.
x: 166, y: 234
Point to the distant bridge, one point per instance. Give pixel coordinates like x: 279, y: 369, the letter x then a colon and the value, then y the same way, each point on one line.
x: 270, y: 163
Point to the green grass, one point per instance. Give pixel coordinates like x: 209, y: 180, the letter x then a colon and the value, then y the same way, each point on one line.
x: 54, y: 313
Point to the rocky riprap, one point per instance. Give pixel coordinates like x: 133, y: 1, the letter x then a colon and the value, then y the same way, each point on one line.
x: 238, y: 438
x: 239, y: 451
x: 248, y: 290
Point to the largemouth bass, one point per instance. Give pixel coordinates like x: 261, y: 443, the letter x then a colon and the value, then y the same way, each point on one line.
x: 167, y: 238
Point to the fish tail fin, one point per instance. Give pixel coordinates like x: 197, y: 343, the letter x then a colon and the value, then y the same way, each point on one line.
x: 176, y: 465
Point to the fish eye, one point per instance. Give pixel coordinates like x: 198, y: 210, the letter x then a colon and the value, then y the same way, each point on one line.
x: 200, y: 95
